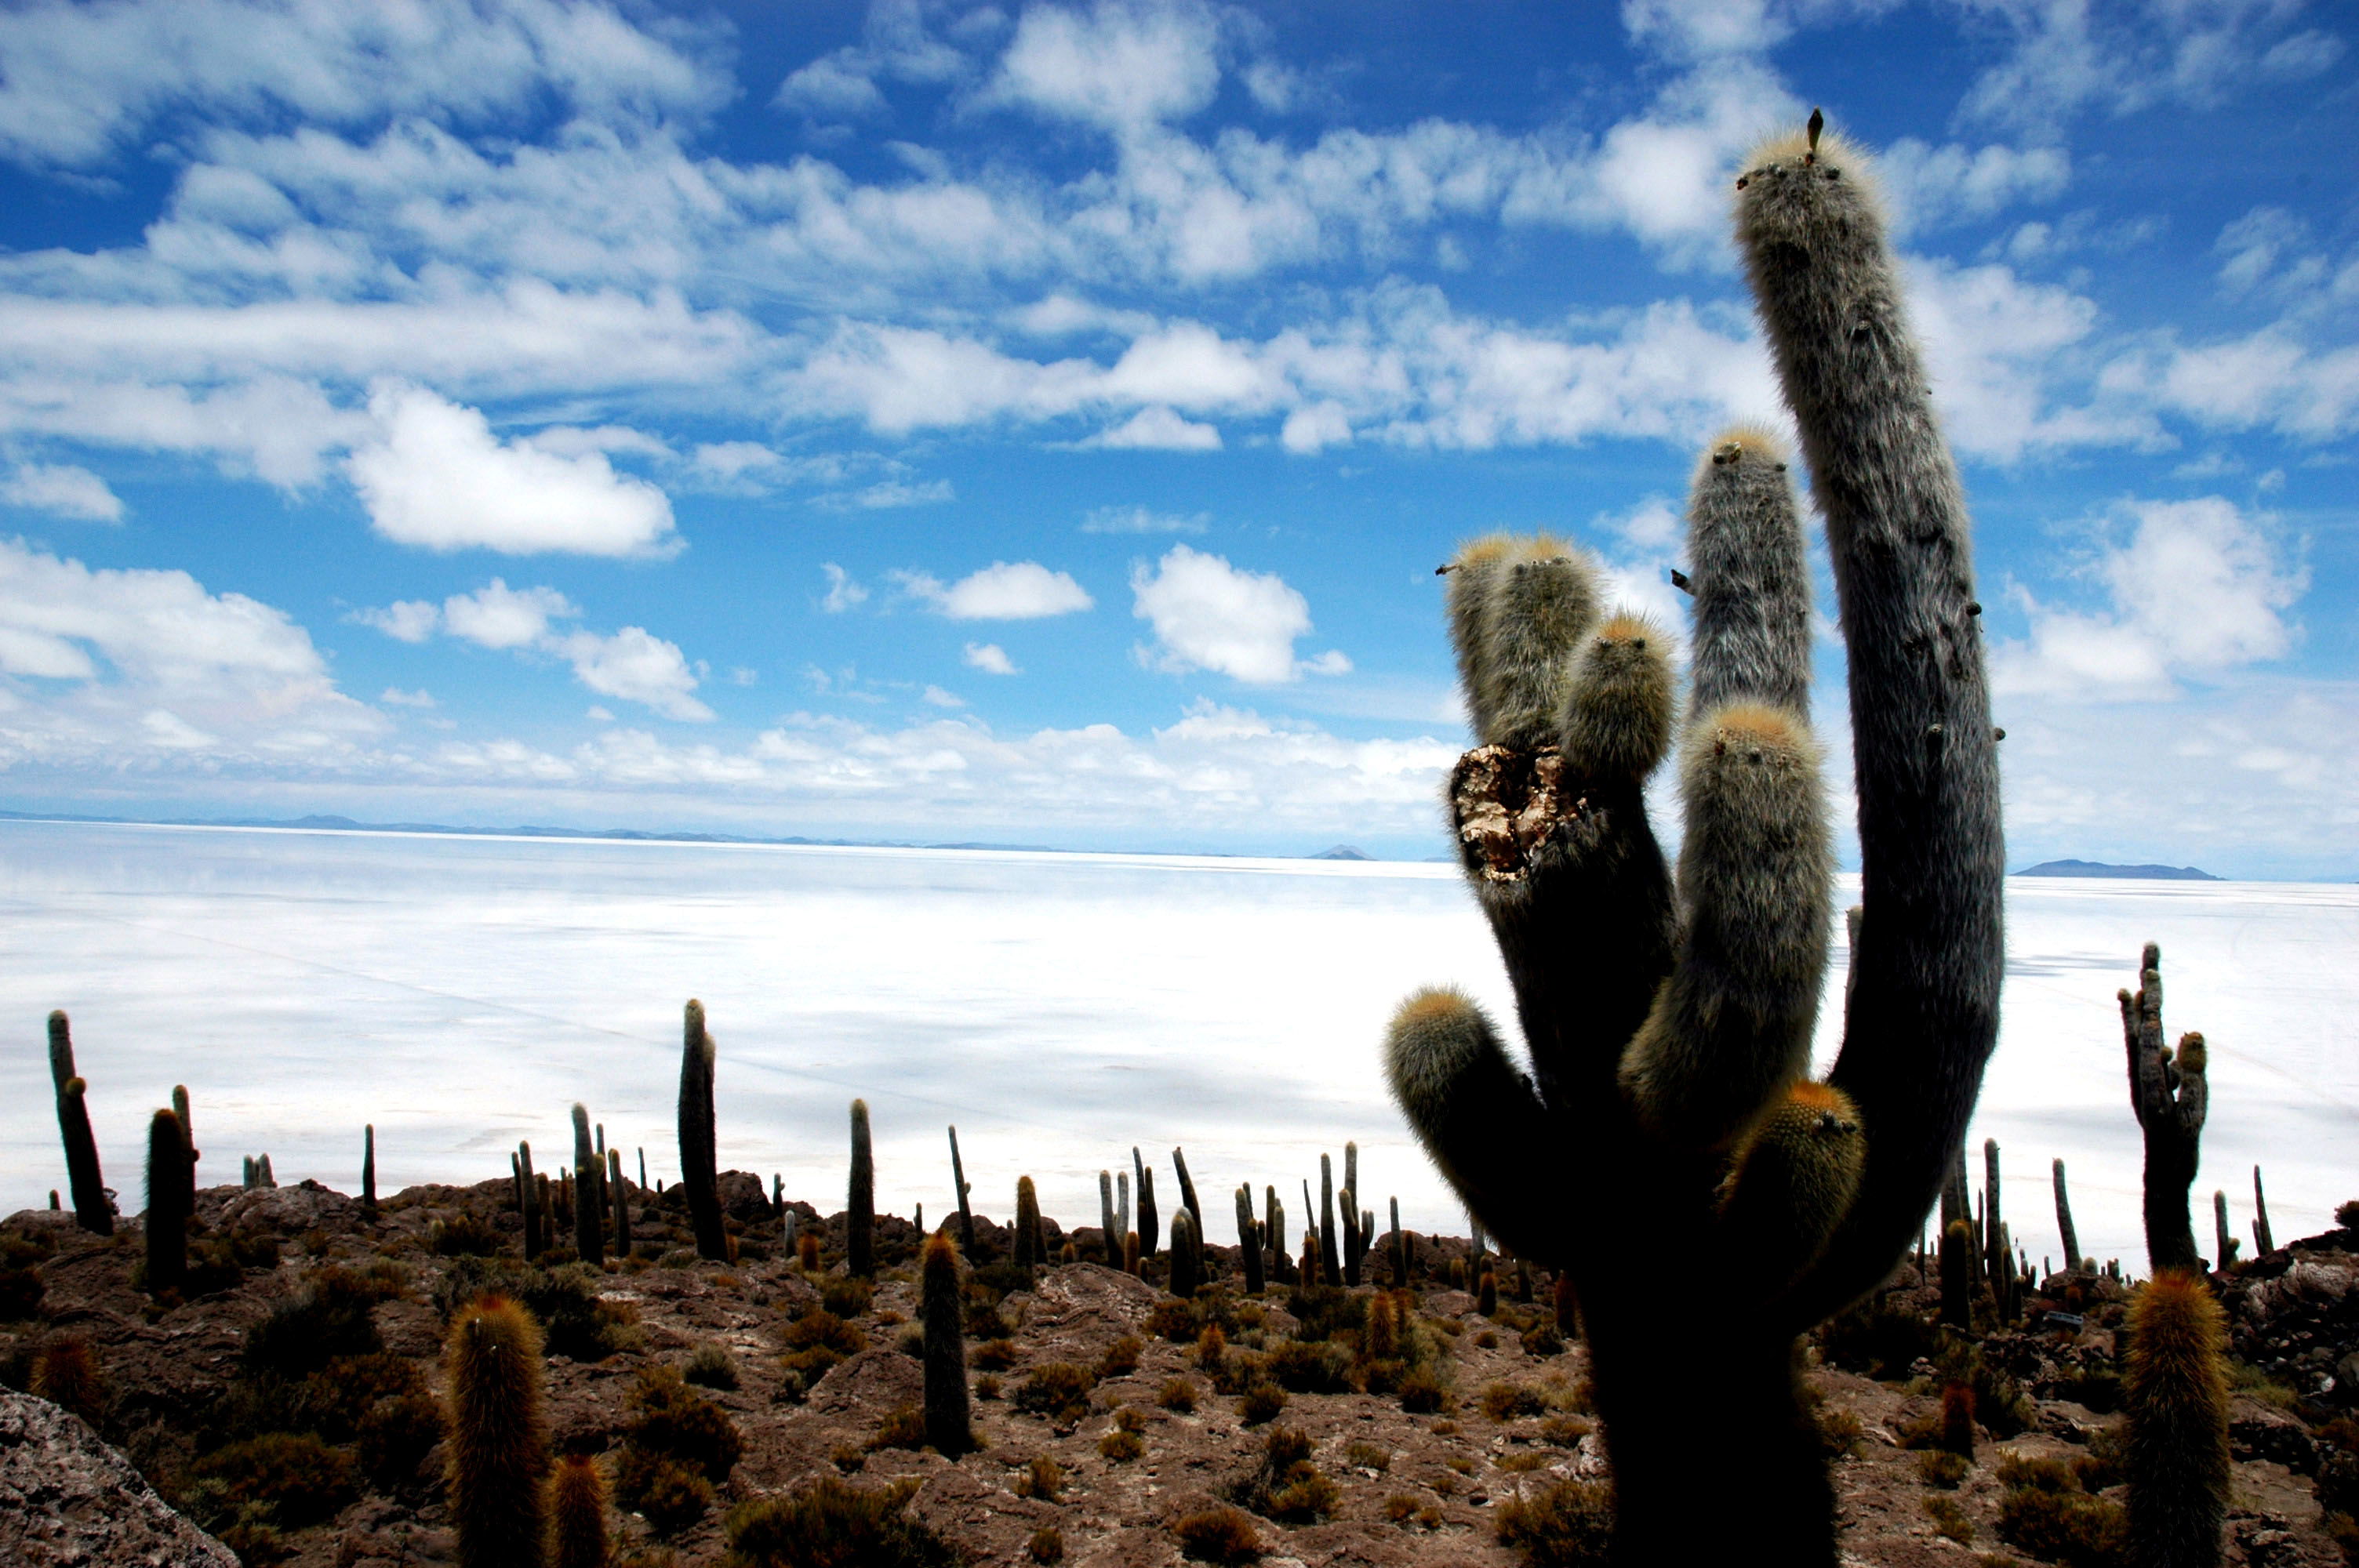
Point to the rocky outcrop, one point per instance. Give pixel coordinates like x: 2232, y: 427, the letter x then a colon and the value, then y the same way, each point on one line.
x: 69, y: 1500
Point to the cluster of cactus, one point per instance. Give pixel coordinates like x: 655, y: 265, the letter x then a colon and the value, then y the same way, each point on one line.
x: 94, y: 1208
x: 257, y: 1172
x: 1667, y: 1021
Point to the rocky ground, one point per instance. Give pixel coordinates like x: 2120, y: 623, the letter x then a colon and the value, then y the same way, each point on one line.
x: 291, y: 1405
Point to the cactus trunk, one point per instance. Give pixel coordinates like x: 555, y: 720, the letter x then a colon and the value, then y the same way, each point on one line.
x: 532, y: 1200
x: 1150, y: 1230
x: 1188, y: 1192
x: 169, y: 1208
x: 92, y: 1210
x: 1250, y: 1241
x: 2072, y: 1238
x: 945, y: 1350
x: 1028, y: 1224
x: 2262, y: 1242
x: 498, y: 1435
x: 2176, y: 1454
x: 589, y: 1175
x: 368, y: 1168
x: 621, y: 1202
x: 698, y: 1157
x: 577, y: 1506
x: 966, y: 1216
x: 860, y: 1209
x: 1400, y: 1251
x: 1187, y: 1258
x: 1109, y: 1232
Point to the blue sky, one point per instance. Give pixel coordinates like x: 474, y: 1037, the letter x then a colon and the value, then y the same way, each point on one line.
x: 1040, y: 423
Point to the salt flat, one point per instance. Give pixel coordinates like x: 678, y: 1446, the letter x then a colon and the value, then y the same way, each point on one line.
x: 461, y: 992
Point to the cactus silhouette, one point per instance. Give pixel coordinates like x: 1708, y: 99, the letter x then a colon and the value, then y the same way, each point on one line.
x: 2171, y: 1095
x: 966, y: 1214
x: 1028, y: 1247
x: 499, y: 1434
x: 1108, y: 1231
x: 1667, y: 1020
x: 1150, y: 1232
x: 589, y: 1176
x: 2175, y: 1456
x: 169, y: 1207
x: 698, y: 1167
x: 620, y: 1201
x: 2262, y: 1242
x: 1250, y: 1241
x: 2071, y: 1238
x: 945, y: 1348
x: 860, y: 1211
x: 533, y: 1200
x: 92, y: 1210
x: 1187, y: 1256
x: 368, y: 1168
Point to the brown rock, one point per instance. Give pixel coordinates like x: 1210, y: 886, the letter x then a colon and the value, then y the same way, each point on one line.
x: 68, y: 1499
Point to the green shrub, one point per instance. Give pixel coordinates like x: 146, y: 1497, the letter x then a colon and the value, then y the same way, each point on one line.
x: 330, y: 1316
x: 461, y: 1236
x: 1570, y: 1525
x: 832, y: 1524
x: 575, y: 1323
x: 2070, y: 1527
x: 396, y: 1434
x: 670, y: 1419
x: 846, y: 1297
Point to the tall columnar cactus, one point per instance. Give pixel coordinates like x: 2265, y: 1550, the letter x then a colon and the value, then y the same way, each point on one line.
x: 1187, y: 1256
x: 860, y: 1206
x: 1273, y: 1220
x: 1188, y: 1192
x: 2262, y: 1242
x: 168, y: 1207
x: 2072, y: 1238
x: 1664, y: 1017
x: 620, y: 1201
x: 1331, y: 1254
x: 1028, y: 1224
x: 1121, y: 1202
x: 1400, y: 1251
x: 532, y: 1200
x: 93, y: 1211
x: 945, y: 1348
x: 1250, y: 1241
x: 966, y: 1214
x: 589, y: 1172
x: 700, y: 1170
x: 188, y: 1136
x: 2175, y: 1394
x: 498, y: 1435
x: 2171, y: 1095
x: 1995, y: 1263
x: 1109, y: 1232
x: 2223, y: 1240
x: 369, y: 1169
x: 1150, y: 1230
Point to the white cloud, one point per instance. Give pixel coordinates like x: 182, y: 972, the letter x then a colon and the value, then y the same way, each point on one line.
x: 938, y: 698
x: 991, y: 659
x: 497, y: 616
x: 421, y: 698
x: 61, y: 489
x: 1926, y: 187
x: 1315, y: 428
x: 889, y: 493
x: 895, y: 45
x: 111, y: 663
x: 1158, y: 429
x: 842, y: 592
x: 437, y: 476
x: 406, y: 620
x: 2198, y: 589
x: 1208, y: 615
x: 1140, y: 520
x: 636, y: 667
x: 1121, y: 65
x: 1004, y: 590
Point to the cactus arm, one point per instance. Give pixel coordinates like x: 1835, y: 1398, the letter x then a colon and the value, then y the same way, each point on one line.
x: 1752, y: 577
x: 1922, y: 1016
x: 1476, y: 1115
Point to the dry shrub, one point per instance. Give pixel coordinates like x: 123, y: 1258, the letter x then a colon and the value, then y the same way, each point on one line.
x: 1218, y: 1535
x: 1940, y: 1469
x: 1422, y: 1393
x: 1122, y: 1357
x: 832, y: 1524
x: 1059, y: 1390
x: 1505, y: 1401
x: 1042, y: 1478
x: 1047, y: 1545
x: 1176, y: 1394
x: 994, y: 1355
x: 1950, y: 1519
x: 1569, y: 1525
x: 1285, y: 1485
x: 816, y: 1341
x: 1262, y: 1403
x: 903, y: 1427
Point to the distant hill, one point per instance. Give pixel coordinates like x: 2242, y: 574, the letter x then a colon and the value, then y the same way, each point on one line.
x: 2099, y: 869
x: 1343, y: 852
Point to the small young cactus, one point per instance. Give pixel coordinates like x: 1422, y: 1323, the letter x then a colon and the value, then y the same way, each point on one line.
x: 93, y: 1210
x: 2175, y: 1392
x: 698, y: 1156
x: 498, y: 1435
x: 169, y: 1208
x: 859, y: 1209
x: 1029, y: 1250
x: 1957, y: 1275
x: 945, y: 1350
x: 1187, y: 1257
x: 577, y: 1507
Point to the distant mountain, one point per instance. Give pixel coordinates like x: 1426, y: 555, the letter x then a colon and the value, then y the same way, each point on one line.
x: 1343, y: 852
x: 2099, y: 869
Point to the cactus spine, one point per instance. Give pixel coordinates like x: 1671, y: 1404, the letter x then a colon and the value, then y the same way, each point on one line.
x: 93, y: 1211
x: 860, y: 1210
x: 945, y: 1346
x: 1655, y: 1044
x: 1029, y: 1249
x: 369, y: 1169
x: 2262, y: 1240
x: 499, y: 1436
x: 1149, y: 1231
x: 1250, y: 1241
x: 2072, y: 1238
x: 169, y: 1207
x: 2176, y: 1393
x: 1187, y: 1260
x: 700, y: 1170
x: 589, y: 1225
x: 958, y: 1181
x: 577, y: 1507
x: 1108, y: 1231
x: 2171, y: 1095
